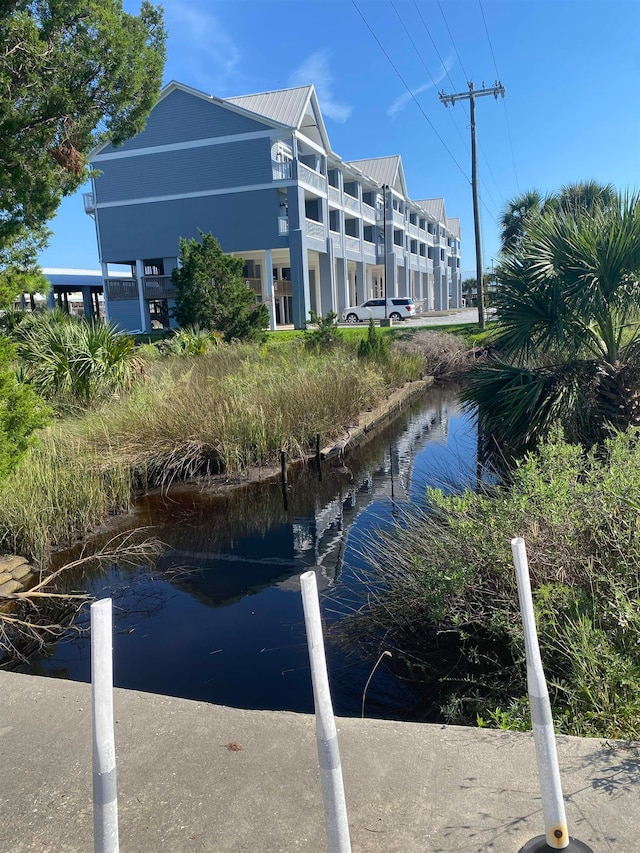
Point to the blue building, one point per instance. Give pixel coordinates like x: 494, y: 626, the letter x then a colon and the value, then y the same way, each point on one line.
x: 258, y: 172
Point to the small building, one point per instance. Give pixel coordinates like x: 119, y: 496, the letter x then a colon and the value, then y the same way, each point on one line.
x: 78, y: 292
x: 258, y: 172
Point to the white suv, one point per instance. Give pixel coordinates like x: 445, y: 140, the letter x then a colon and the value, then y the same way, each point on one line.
x: 398, y: 308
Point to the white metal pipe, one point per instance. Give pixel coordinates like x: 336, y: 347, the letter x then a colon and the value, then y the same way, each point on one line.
x: 555, y: 821
x: 335, y: 807
x: 105, y: 793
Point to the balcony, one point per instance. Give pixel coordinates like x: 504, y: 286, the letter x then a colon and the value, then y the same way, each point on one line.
x: 283, y: 226
x: 119, y: 290
x: 398, y: 218
x: 369, y: 248
x: 254, y: 284
x: 351, y: 244
x: 368, y: 212
x: 282, y: 170
x: 312, y: 179
x: 315, y: 229
x: 89, y: 203
x: 335, y: 196
x: 351, y: 203
x: 336, y: 239
x: 158, y: 287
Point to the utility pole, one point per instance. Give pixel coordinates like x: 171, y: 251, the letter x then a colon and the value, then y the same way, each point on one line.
x: 449, y: 100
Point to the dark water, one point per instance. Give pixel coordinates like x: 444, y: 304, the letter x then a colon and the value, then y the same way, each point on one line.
x: 219, y: 618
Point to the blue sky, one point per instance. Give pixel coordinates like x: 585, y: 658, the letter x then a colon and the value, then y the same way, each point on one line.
x: 571, y: 69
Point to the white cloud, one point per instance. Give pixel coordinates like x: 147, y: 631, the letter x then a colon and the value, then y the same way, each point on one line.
x: 200, y: 51
x: 402, y: 100
x: 316, y: 69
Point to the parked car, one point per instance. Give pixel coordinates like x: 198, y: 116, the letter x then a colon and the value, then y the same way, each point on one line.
x: 398, y: 308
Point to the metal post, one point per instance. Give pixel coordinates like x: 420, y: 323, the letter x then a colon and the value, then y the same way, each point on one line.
x: 556, y: 835
x: 105, y: 792
x: 335, y: 807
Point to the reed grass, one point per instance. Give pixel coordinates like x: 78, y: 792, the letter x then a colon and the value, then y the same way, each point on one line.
x: 235, y: 407
x: 59, y: 491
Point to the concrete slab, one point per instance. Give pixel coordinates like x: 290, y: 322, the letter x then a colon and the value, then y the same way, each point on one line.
x: 409, y: 787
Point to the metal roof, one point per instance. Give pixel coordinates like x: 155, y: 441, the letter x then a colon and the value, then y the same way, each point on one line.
x: 383, y: 170
x: 435, y: 207
x: 454, y: 226
x: 286, y: 106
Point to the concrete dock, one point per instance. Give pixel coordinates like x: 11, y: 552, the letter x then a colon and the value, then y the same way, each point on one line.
x: 194, y: 777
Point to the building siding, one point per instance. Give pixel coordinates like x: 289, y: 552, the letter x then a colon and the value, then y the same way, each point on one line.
x: 185, y: 171
x: 240, y: 221
x: 181, y: 117
x: 125, y: 313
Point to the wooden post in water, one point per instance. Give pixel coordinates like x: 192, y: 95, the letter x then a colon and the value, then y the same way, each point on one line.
x: 318, y: 457
x: 105, y: 792
x: 283, y: 475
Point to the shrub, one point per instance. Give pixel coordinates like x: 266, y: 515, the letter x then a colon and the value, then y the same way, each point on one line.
x: 375, y: 346
x: 448, y: 577
x: 326, y: 332
x: 75, y: 363
x: 21, y: 413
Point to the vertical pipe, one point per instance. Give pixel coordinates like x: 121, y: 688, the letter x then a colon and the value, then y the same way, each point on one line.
x: 283, y: 476
x: 318, y: 456
x: 105, y: 793
x: 555, y: 821
x: 335, y: 807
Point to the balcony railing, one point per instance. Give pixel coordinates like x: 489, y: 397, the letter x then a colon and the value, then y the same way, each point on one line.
x: 254, y: 284
x: 282, y: 170
x: 368, y: 211
x: 335, y: 196
x: 281, y: 287
x: 350, y: 202
x: 118, y: 289
x: 352, y: 244
x: 315, y: 229
x: 311, y: 178
x: 89, y: 203
x: 398, y: 218
x: 369, y: 248
x: 158, y: 287
x: 336, y: 239
x: 283, y: 225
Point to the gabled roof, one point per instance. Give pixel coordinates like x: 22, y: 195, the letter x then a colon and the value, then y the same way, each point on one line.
x: 297, y: 108
x: 435, y: 207
x: 454, y: 226
x: 384, y: 171
x: 286, y: 106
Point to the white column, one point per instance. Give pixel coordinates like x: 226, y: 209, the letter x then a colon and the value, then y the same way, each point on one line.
x: 140, y: 277
x: 105, y: 276
x: 267, y: 287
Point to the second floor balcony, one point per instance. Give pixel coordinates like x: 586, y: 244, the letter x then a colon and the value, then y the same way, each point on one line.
x: 311, y: 178
x: 158, y: 287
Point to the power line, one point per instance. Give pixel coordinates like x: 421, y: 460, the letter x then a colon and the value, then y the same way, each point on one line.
x: 404, y: 83
x: 424, y: 115
x: 453, y: 42
x: 424, y: 23
x: 506, y: 115
x: 419, y: 55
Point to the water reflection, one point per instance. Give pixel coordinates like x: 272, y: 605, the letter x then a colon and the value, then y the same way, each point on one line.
x: 216, y: 618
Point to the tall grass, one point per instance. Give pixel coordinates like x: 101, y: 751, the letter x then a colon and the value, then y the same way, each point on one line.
x: 449, y: 602
x: 58, y: 493
x: 234, y: 407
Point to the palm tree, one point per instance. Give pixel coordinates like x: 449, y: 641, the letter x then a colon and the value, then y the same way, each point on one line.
x: 515, y: 216
x: 568, y: 328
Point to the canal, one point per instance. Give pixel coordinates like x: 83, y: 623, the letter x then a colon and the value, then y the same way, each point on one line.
x: 219, y: 616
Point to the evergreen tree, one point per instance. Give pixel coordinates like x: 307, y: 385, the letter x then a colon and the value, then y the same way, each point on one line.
x: 210, y: 292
